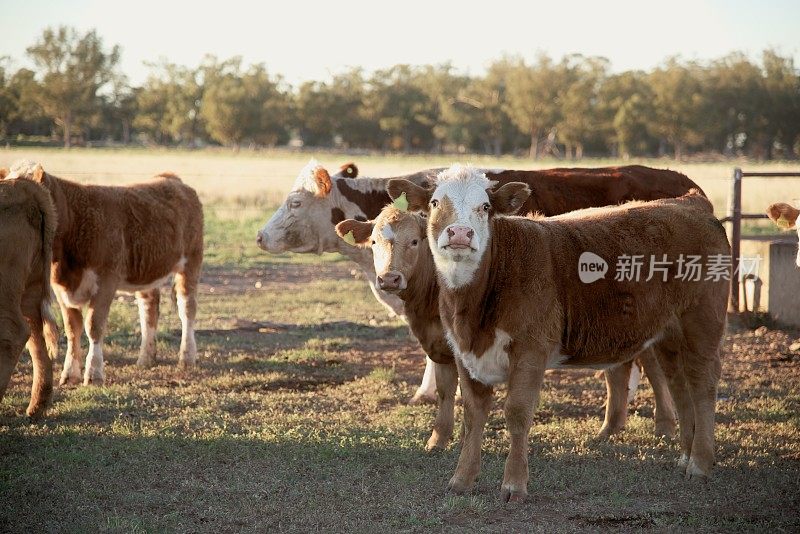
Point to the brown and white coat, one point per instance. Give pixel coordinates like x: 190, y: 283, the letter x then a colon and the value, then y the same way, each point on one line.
x: 512, y: 305
x: 132, y: 239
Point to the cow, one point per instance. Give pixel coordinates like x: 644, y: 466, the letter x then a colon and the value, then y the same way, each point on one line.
x: 404, y: 265
x: 306, y: 220
x: 318, y: 201
x: 121, y: 238
x: 512, y: 305
x: 785, y: 216
x: 27, y: 227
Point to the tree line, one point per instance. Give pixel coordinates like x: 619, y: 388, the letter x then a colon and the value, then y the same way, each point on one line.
x: 564, y: 108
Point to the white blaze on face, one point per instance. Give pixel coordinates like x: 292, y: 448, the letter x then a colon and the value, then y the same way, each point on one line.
x: 462, y: 199
x: 382, y: 250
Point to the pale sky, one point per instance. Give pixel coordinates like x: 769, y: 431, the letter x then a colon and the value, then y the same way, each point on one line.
x: 310, y: 40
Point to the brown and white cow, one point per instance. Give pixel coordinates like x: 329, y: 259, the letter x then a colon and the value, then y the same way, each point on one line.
x: 512, y: 304
x: 785, y: 216
x: 318, y: 201
x: 306, y: 221
x: 27, y: 226
x: 121, y: 238
x: 405, y: 266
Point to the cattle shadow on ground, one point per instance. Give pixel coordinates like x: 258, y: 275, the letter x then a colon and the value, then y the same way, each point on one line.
x: 338, y: 483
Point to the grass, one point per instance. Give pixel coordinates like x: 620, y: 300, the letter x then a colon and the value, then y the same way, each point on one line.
x: 296, y: 420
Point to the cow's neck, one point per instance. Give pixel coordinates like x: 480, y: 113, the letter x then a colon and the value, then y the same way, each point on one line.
x: 421, y: 296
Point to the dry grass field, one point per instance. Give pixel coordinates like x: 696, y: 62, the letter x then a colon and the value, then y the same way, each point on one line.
x: 296, y: 417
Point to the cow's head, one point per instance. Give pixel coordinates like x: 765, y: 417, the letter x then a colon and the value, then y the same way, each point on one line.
x: 397, y: 240
x: 305, y: 221
x: 460, y: 209
x: 785, y: 216
x: 26, y: 169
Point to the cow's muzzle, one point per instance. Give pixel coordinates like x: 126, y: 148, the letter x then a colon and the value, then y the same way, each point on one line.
x: 392, y: 281
x: 459, y: 237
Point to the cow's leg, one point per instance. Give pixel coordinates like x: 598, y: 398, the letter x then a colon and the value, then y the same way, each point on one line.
x: 524, y: 386
x: 95, y: 324
x: 617, y: 380
x: 446, y: 384
x: 701, y: 364
x: 477, y: 399
x: 672, y: 365
x: 426, y: 392
x: 665, y: 409
x: 14, y: 331
x: 148, y: 302
x: 73, y: 328
x: 42, y: 387
x: 186, y: 294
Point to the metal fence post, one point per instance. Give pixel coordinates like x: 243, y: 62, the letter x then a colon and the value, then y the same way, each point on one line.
x: 735, y: 214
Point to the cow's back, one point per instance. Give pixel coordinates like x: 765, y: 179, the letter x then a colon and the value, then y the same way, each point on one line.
x: 671, y: 230
x: 557, y: 191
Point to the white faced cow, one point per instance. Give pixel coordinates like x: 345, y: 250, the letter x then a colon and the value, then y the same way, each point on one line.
x: 512, y: 305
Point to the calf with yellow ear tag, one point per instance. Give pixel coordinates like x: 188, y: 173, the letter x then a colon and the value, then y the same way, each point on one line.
x: 785, y: 216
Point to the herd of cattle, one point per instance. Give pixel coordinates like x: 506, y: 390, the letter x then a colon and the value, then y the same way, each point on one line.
x: 484, y: 265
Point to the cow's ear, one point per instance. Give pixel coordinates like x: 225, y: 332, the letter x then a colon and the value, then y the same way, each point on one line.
x: 356, y: 233
x: 508, y: 199
x: 784, y: 215
x: 323, y: 182
x: 349, y: 170
x: 416, y: 197
x: 3, y: 173
x: 38, y: 174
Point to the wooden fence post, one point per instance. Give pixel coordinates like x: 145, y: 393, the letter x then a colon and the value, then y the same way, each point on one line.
x: 735, y: 214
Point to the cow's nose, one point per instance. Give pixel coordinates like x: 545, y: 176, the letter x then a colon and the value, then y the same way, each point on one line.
x: 260, y: 240
x: 460, y: 236
x: 390, y: 280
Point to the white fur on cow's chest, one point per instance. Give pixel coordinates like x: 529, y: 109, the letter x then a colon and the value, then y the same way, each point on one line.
x: 82, y: 294
x: 491, y: 367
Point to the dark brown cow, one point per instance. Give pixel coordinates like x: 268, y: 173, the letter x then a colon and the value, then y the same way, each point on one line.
x: 131, y: 239
x: 27, y: 227
x: 513, y: 303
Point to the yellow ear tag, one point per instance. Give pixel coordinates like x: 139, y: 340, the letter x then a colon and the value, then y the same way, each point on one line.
x: 783, y: 222
x: 349, y: 238
x: 401, y: 202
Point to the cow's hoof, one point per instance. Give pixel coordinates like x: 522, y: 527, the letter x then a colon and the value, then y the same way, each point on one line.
x: 458, y: 486
x: 145, y: 362
x: 422, y: 398
x: 665, y: 429
x: 96, y: 380
x: 67, y: 380
x: 683, y: 461
x: 606, y: 432
x: 186, y: 364
x: 512, y: 495
x: 36, y: 412
x: 696, y: 473
x: 436, y: 443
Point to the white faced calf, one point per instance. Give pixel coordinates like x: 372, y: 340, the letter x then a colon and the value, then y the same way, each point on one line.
x: 512, y: 305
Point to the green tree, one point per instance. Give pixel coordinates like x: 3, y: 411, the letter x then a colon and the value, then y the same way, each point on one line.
x: 680, y: 103
x: 579, y: 111
x: 625, y: 112
x: 532, y: 98
x: 73, y: 69
x: 169, y: 104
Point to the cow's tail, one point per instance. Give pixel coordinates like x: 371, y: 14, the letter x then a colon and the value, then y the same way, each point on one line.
x: 48, y: 231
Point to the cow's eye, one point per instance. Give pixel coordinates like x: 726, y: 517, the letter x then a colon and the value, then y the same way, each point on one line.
x: 486, y: 207
x: 294, y: 204
x: 434, y: 203
x: 414, y: 243
x: 373, y: 241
